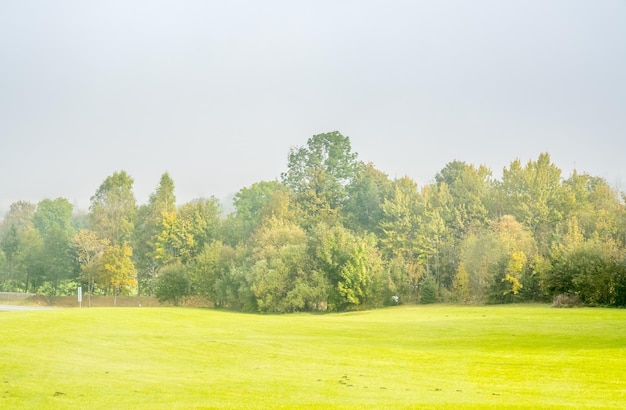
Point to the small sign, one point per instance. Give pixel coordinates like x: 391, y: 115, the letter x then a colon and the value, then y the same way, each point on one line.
x: 80, y: 295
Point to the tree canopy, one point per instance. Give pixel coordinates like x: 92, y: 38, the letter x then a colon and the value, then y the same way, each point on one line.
x: 333, y: 233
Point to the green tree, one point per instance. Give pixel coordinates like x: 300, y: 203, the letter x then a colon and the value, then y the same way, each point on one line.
x: 33, y: 267
x: 10, y: 245
x: 20, y: 216
x: 534, y: 195
x: 53, y: 221
x: 211, y: 274
x: 401, y: 240
x: 148, y: 227
x: 173, y: 284
x: 479, y: 253
x: 428, y: 290
x: 597, y: 207
x: 255, y: 204
x: 351, y: 265
x: 52, y: 214
x: 279, y: 276
x: 519, y: 250
x: 16, y: 234
x: 470, y: 189
x: 592, y: 270
x: 363, y: 210
x: 436, y: 238
x: 319, y: 173
x: 361, y: 277
x: 200, y: 220
x: 113, y: 208
x: 58, y: 258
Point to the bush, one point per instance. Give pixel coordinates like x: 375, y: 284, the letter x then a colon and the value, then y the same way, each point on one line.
x: 173, y: 285
x: 428, y: 290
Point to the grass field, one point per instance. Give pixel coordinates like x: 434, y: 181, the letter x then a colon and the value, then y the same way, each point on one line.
x: 404, y: 357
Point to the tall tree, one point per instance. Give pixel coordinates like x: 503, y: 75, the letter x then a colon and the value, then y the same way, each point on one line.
x: 367, y: 192
x: 519, y: 250
x: 89, y: 249
x: 469, y: 188
x: 201, y: 220
x: 53, y: 220
x: 20, y: 215
x: 53, y: 213
x: 534, y: 195
x: 10, y: 246
x: 319, y: 173
x: 20, y: 243
x: 253, y: 205
x: 161, y: 207
x: 597, y: 207
x: 113, y: 207
x: 401, y: 220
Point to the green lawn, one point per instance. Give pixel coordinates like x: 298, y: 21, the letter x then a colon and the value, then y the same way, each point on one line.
x: 405, y: 357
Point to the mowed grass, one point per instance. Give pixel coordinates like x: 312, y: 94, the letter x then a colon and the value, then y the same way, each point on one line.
x: 404, y: 357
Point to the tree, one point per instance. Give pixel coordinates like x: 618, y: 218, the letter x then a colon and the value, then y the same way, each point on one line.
x: 200, y: 220
x: 469, y: 189
x: 401, y: 241
x: 534, y: 195
x: 58, y: 258
x: 428, y: 290
x: 25, y: 267
x: 211, y: 273
x: 251, y: 204
x: 493, y: 262
x: 280, y: 277
x: 592, y: 270
x: 20, y: 216
x: 351, y: 265
x: 150, y: 222
x: 173, y: 284
x: 10, y: 246
x: 596, y: 206
x: 89, y: 249
x: 31, y: 260
x: 116, y: 272
x: 363, y: 210
x: 519, y: 250
x: 319, y: 173
x: 52, y: 214
x: 360, y: 278
x: 436, y: 238
x: 53, y: 220
x: 479, y: 253
x: 113, y: 207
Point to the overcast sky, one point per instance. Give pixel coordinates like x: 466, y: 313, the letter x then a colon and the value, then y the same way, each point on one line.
x: 216, y: 92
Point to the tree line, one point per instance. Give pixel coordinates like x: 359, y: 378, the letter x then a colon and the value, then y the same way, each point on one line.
x: 333, y: 233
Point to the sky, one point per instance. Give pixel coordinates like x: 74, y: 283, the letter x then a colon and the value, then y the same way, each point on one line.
x: 217, y: 92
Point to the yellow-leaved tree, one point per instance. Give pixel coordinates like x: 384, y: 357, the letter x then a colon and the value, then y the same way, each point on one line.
x: 117, y: 272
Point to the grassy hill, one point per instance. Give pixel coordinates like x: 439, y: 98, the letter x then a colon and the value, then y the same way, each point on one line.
x: 405, y: 357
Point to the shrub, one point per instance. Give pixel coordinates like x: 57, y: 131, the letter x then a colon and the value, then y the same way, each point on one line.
x: 428, y: 290
x: 173, y: 285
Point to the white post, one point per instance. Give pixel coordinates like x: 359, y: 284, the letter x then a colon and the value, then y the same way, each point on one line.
x: 80, y: 297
